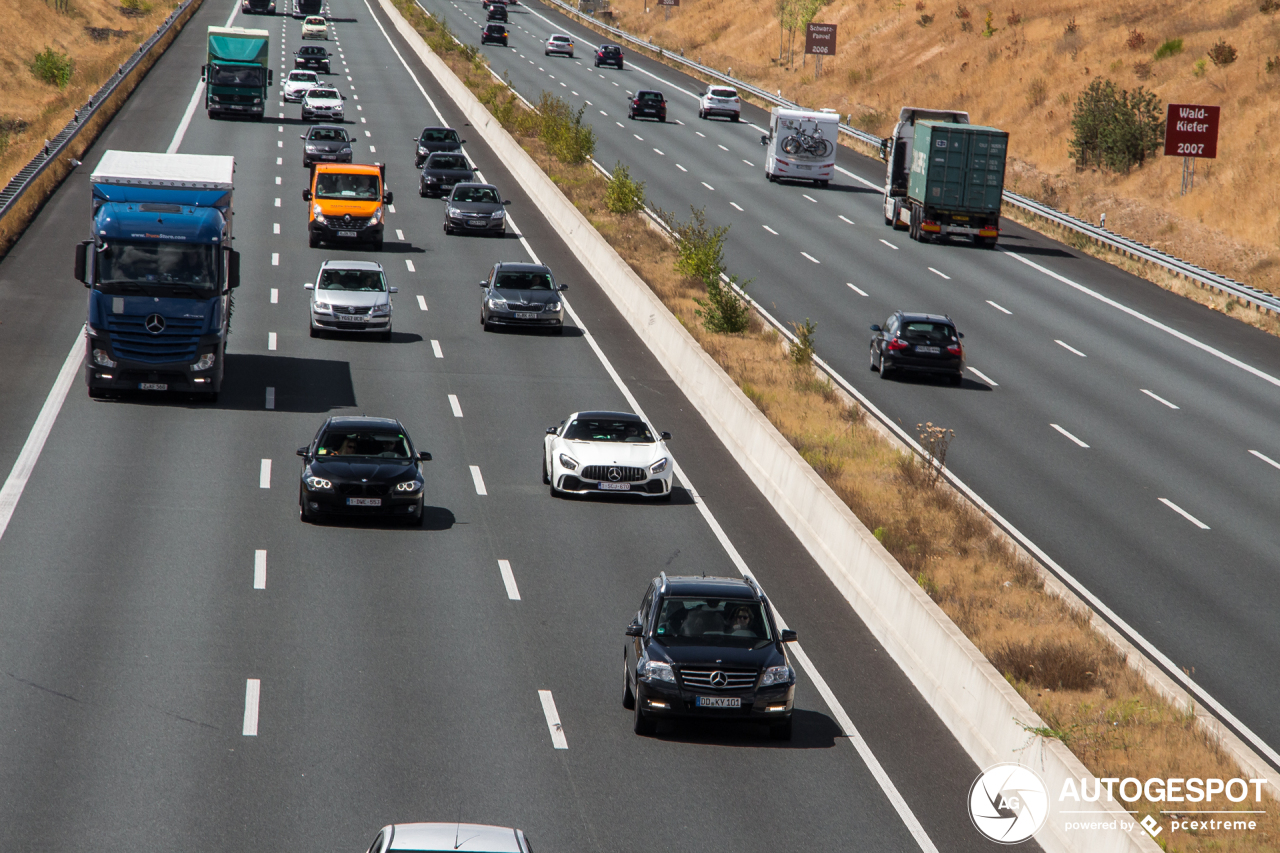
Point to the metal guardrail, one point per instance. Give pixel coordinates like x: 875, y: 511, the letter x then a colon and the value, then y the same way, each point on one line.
x: 54, y: 148
x: 1260, y: 299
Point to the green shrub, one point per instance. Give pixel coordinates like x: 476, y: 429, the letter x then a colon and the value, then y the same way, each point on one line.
x: 723, y: 310
x: 1114, y: 127
x: 700, y: 248
x: 52, y: 67
x: 1222, y: 54
x: 801, y: 349
x: 1170, y: 48
x: 137, y: 6
x: 623, y: 195
x: 1273, y: 65
x: 562, y: 129
x: 1199, y: 68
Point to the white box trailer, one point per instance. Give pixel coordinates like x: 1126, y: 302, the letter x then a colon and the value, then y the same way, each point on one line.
x: 801, y: 145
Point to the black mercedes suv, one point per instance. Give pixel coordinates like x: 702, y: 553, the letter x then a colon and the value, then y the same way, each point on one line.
x: 707, y: 647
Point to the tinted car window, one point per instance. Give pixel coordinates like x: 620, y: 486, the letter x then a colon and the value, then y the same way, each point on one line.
x: 712, y: 622
x: 439, y: 136
x: 323, y: 94
x: 650, y: 96
x: 330, y: 185
x: 608, y: 429
x: 480, y: 195
x: 610, y: 50
x: 366, y: 443
x: 723, y: 93
x: 366, y: 280
x: 523, y: 281
x: 446, y: 161
x: 329, y: 134
x: 929, y: 331
x: 312, y: 51
x: 497, y: 29
x: 303, y: 76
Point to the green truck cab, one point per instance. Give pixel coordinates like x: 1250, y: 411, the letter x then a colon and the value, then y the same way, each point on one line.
x: 236, y: 75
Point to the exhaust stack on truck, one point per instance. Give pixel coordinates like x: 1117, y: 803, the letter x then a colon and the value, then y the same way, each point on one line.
x: 235, y: 74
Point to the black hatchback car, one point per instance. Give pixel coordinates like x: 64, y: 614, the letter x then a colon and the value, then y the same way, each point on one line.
x: 918, y: 343
x: 433, y: 139
x: 497, y: 12
x: 442, y: 171
x: 313, y: 57
x: 361, y: 467
x: 707, y: 647
x: 648, y: 102
x: 494, y: 34
x: 609, y: 54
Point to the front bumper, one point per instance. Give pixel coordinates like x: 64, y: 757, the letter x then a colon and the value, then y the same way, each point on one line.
x: 311, y: 65
x: 542, y: 319
x: 656, y: 486
x: 334, y: 504
x: 761, y: 705
x: 329, y: 115
x: 130, y: 375
x: 334, y: 322
x: 336, y: 232
x: 235, y: 108
x: 478, y: 224
x: 309, y: 158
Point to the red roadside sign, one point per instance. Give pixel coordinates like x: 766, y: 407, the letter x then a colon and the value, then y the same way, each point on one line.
x: 820, y: 39
x: 1191, y: 130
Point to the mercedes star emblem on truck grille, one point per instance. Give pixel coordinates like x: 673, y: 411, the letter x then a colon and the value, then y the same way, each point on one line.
x: 154, y: 324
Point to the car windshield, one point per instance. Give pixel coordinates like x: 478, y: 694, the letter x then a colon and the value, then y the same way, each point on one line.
x: 476, y: 195
x: 322, y: 95
x: 315, y: 22
x: 236, y: 75
x: 723, y: 93
x: 928, y: 331
x: 312, y: 51
x: 712, y: 622
x: 447, y: 161
x: 328, y: 134
x: 630, y: 430
x: 125, y: 262
x: 523, y: 281
x: 340, y: 185
x: 340, y: 279
x: 381, y: 444
x: 649, y: 96
x: 444, y: 135
x: 303, y: 77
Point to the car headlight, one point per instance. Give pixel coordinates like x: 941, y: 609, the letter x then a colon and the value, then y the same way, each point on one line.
x: 553, y: 306
x: 432, y: 179
x: 498, y: 214
x: 257, y: 100
x: 312, y: 149
x: 569, y: 462
x: 659, y: 466
x: 777, y: 675
x: 317, y: 484
x: 101, y: 358
x: 453, y: 211
x: 377, y: 217
x: 381, y: 309
x: 323, y: 306
x: 655, y: 670
x: 317, y: 210
x: 497, y: 305
x: 206, y: 361
x: 409, y: 486
x: 421, y: 150
x: 346, y: 150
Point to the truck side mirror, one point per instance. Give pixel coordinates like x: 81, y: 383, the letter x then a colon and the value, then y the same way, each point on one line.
x: 271, y: 77
x: 764, y: 140
x: 204, y: 73
x: 82, y: 261
x: 306, y: 195
x: 388, y: 197
x: 233, y: 268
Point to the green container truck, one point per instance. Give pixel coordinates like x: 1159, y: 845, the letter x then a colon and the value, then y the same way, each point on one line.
x: 236, y: 75
x: 956, y: 181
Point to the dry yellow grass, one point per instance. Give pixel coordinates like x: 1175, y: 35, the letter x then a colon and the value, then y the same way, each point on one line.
x: 1024, y: 78
x: 1087, y: 695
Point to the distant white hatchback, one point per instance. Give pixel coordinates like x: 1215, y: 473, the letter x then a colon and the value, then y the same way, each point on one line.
x: 559, y: 43
x: 720, y: 101
x: 298, y: 84
x: 315, y: 27
x: 469, y: 837
x: 351, y: 296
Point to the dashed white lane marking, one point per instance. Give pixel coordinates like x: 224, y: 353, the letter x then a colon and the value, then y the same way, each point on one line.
x: 275, y: 295
x: 363, y: 120
x: 271, y: 341
x: 1069, y: 435
x: 478, y: 480
x: 1267, y: 459
x: 279, y: 143
x: 700, y: 133
x: 399, y: 234
x: 408, y: 263
x: 887, y: 243
x: 749, y: 163
x: 708, y: 186
x: 553, y: 720
x: 984, y: 377
x: 619, y: 124
x: 422, y: 302
x: 455, y: 406
x: 509, y: 580
x: 681, y: 168
x: 260, y: 569
x: 252, y: 693
x: 270, y: 402
x: 999, y: 308
x: 734, y: 205
x: 435, y: 349
x: 722, y: 148
x: 275, y: 227
x: 1069, y: 348
x: 279, y: 161
x: 659, y: 153
x: 937, y: 272
x: 856, y: 289
x: 391, y: 208
x: 264, y: 474
x: 277, y: 180
x: 638, y: 136
x: 770, y: 230
x: 1182, y: 512
x: 848, y: 220
x: 275, y: 259
x: 277, y: 202
x: 1158, y: 398
x: 279, y: 128
x: 368, y: 134
x: 811, y: 257
x: 603, y: 113
x: 811, y: 198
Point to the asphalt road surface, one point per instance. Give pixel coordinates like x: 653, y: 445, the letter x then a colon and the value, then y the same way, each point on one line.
x: 188, y: 667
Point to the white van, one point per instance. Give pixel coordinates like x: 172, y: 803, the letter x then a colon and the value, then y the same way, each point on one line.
x: 801, y: 145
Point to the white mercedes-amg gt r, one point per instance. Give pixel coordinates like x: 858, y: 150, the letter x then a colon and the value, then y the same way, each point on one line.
x: 610, y: 452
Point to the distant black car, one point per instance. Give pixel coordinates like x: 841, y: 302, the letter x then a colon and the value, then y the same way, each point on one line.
x: 497, y: 12
x: 707, y: 647
x: 325, y: 143
x: 476, y: 208
x: 311, y: 56
x: 433, y: 139
x: 495, y: 33
x: 358, y: 466
x: 442, y: 171
x: 609, y: 54
x: 647, y: 102
x: 918, y: 343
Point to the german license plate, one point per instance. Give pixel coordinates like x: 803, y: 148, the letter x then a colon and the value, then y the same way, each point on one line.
x: 346, y: 233
x: 719, y: 702
x: 152, y: 386
x: 477, y: 223
x: 364, y: 501
x: 525, y: 315
x: 930, y: 350
x: 616, y: 487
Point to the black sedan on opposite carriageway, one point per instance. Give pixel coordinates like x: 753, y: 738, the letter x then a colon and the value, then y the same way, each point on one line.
x: 359, y: 466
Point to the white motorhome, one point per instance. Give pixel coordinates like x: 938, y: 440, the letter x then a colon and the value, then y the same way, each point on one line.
x: 895, y: 149
x: 801, y: 145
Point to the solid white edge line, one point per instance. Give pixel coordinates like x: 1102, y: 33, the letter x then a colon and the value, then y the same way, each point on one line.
x: 1273, y: 463
x: 264, y: 474
x: 412, y: 76
x: 16, y: 482
x: 455, y: 405
x: 509, y: 580
x: 1069, y: 435
x: 1154, y: 396
x: 260, y: 569
x: 553, y: 720
x: 1069, y: 348
x: 252, y: 694
x: 478, y: 480
x: 1182, y: 512
x: 984, y: 377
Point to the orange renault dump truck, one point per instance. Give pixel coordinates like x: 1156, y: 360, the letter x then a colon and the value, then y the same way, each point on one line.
x: 346, y: 203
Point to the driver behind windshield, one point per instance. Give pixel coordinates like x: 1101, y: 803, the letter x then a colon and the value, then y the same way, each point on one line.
x: 342, y: 185
x: 156, y: 263
x: 361, y: 280
x: 611, y: 429
x: 366, y: 444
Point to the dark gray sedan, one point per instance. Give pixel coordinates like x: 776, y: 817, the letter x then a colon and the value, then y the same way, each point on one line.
x: 522, y: 295
x: 325, y: 143
x: 475, y: 208
x: 442, y: 172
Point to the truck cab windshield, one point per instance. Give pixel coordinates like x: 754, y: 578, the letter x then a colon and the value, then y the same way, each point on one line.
x: 157, y: 267
x: 236, y: 75
x: 339, y: 185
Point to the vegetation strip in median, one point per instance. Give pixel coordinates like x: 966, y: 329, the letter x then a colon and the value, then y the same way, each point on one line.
x: 1089, y: 697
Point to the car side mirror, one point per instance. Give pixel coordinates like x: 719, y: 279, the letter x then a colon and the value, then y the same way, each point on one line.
x: 788, y: 636
x: 875, y: 327
x: 233, y: 269
x: 304, y: 452
x: 552, y: 430
x: 309, y: 286
x: 82, y: 261
x: 388, y: 197
x: 394, y: 290
x: 635, y: 629
x: 506, y: 202
x: 463, y: 142
x: 344, y: 97
x: 563, y: 287
x: 306, y: 195
x: 665, y: 436
x: 424, y: 456
x: 764, y: 140
x: 960, y: 334
x: 302, y: 136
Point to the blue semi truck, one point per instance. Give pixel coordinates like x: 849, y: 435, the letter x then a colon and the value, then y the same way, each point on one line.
x: 160, y: 269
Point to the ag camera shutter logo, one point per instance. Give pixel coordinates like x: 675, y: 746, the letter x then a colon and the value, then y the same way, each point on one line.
x: 1008, y: 803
